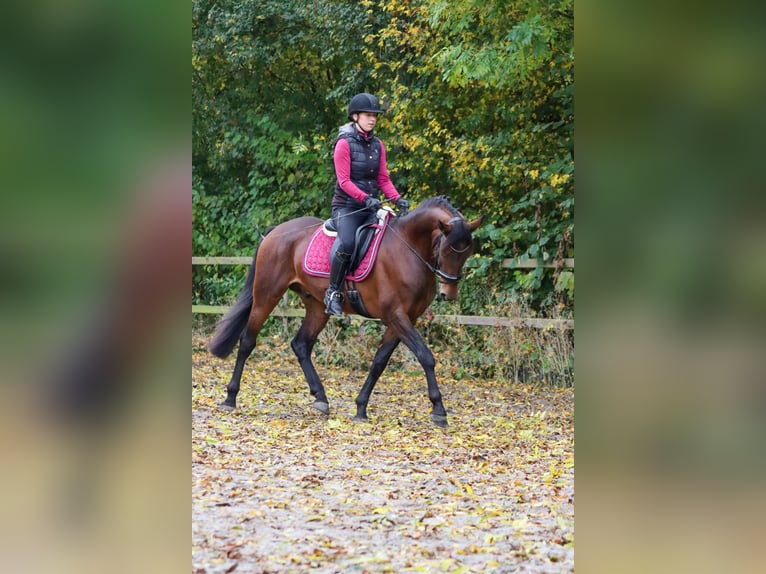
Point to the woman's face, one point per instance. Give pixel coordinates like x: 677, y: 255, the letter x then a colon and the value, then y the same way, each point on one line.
x: 366, y: 120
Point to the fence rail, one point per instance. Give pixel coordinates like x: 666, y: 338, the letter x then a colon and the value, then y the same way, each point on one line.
x: 530, y: 322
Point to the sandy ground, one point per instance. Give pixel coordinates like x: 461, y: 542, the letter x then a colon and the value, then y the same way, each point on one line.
x: 278, y: 487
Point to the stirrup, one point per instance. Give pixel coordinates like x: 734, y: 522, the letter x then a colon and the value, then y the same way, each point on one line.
x: 333, y: 301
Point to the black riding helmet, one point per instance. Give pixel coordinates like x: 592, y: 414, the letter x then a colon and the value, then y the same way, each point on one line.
x: 363, y: 102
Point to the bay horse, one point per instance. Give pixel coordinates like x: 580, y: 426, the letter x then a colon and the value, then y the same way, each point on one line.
x: 433, y: 240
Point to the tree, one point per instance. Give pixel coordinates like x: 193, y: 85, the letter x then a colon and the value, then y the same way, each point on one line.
x: 479, y: 99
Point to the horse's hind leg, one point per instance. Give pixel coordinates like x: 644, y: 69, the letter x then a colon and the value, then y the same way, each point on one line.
x: 388, y: 344
x: 246, y: 346
x: 303, y: 344
x: 258, y: 315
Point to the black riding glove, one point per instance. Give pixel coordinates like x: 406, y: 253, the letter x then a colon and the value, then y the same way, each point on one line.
x: 372, y: 203
x: 403, y: 206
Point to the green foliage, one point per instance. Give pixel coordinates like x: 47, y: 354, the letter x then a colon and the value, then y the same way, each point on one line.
x: 482, y: 107
x: 281, y: 176
x: 264, y: 113
x: 479, y: 99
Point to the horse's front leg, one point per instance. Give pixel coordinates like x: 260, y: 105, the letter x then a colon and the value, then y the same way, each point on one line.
x: 388, y: 344
x: 415, y: 343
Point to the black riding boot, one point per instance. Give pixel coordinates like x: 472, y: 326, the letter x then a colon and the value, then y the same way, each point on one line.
x: 333, y: 297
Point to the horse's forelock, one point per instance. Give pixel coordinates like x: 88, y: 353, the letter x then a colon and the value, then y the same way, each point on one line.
x: 460, y: 232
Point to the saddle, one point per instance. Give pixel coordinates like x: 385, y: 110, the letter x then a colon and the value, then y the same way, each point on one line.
x: 362, y: 240
x: 321, y: 247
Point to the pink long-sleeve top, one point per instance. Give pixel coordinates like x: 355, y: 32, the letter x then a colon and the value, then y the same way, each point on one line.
x: 342, y: 161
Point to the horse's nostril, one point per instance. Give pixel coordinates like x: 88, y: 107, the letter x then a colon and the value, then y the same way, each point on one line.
x: 442, y: 296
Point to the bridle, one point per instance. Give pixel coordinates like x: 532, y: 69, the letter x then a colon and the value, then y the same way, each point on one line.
x: 444, y: 278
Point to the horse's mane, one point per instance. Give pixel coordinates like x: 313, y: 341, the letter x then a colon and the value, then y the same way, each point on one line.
x: 440, y: 201
x: 461, y: 232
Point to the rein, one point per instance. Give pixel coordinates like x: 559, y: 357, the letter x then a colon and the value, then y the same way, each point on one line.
x: 444, y: 277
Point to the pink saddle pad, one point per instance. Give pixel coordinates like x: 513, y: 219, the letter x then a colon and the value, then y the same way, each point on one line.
x: 316, y: 260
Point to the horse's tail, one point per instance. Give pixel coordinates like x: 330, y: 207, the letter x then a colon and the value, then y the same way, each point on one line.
x: 232, y: 325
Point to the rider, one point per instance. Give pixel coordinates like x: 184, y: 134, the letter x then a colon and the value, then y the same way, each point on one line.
x: 360, y: 168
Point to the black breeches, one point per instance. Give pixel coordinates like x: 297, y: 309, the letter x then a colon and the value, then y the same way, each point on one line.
x: 347, y: 220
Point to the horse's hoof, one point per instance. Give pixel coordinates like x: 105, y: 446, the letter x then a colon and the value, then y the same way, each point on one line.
x: 439, y: 420
x: 358, y: 419
x: 323, y: 408
x: 226, y: 407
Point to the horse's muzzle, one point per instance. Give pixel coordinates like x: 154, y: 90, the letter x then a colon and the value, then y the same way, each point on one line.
x: 447, y: 292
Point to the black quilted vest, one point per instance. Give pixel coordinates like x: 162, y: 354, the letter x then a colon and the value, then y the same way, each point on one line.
x: 365, y: 164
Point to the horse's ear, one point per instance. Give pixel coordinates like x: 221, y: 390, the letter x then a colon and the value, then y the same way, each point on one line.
x: 445, y: 227
x: 473, y: 225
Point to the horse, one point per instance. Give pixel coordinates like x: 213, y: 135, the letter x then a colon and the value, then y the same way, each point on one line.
x: 433, y: 240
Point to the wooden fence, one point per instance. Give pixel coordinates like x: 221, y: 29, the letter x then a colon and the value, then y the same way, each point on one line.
x: 281, y: 311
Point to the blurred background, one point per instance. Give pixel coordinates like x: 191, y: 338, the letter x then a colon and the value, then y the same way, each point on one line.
x: 670, y: 404
x: 95, y: 229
